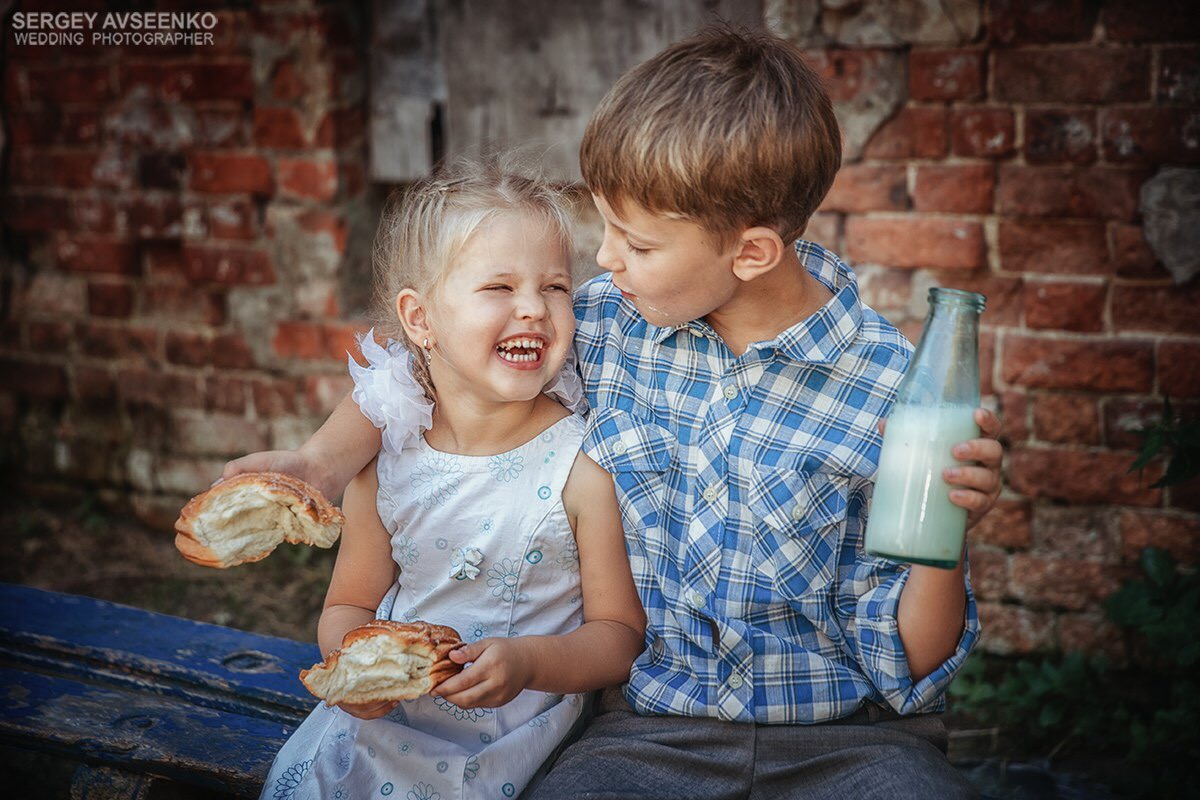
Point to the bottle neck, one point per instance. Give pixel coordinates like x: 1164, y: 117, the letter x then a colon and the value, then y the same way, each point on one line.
x: 945, y: 367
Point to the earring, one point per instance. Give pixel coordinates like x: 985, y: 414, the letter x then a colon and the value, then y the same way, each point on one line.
x: 428, y: 355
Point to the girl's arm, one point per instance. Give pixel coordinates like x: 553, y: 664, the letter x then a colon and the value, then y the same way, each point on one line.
x: 362, y: 574
x: 597, y: 654
x: 328, y: 460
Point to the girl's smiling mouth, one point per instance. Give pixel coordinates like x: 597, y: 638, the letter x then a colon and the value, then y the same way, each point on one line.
x: 522, y: 352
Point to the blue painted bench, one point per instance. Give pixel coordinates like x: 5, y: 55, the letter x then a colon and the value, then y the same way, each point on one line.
x: 146, y: 705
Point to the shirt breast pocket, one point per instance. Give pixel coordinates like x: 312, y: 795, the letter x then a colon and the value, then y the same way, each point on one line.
x: 800, y: 527
x: 637, y: 453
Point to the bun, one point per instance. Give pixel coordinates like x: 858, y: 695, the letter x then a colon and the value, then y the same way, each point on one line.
x: 384, y: 661
x: 246, y: 517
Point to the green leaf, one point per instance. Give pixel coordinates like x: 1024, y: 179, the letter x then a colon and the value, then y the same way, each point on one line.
x: 1050, y: 716
x: 1158, y: 566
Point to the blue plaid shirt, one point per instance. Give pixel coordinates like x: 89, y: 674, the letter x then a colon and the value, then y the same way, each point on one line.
x: 744, y: 484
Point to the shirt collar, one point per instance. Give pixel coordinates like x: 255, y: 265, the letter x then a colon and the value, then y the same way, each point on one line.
x: 823, y: 336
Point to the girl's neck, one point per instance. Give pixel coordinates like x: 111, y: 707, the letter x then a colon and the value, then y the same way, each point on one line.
x: 465, y: 426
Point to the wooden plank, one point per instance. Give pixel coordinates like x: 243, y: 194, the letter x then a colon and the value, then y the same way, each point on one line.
x: 206, y: 664
x: 135, y: 732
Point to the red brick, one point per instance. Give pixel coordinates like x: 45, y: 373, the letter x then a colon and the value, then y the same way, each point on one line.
x: 1060, y: 136
x: 157, y: 389
x: 53, y: 293
x: 1131, y: 253
x: 945, y: 74
x: 853, y: 74
x: 159, y: 218
x: 912, y: 133
x: 75, y: 84
x: 1125, y: 417
x: 1066, y: 419
x: 48, y: 124
x: 231, y: 351
x: 1006, y: 525
x: 860, y: 187
x: 1072, y: 75
x: 321, y: 221
x: 94, y: 254
x: 982, y: 132
x: 1165, y: 309
x: 1094, y: 364
x: 1081, y: 476
x: 110, y: 299
x: 1185, y: 495
x: 93, y: 384
x: 1092, y: 633
x: 886, y: 289
x: 1077, y: 248
x: 342, y: 340
x: 222, y: 126
x: 1151, y: 135
x: 193, y: 81
x: 182, y: 304
x: 1060, y: 583
x: 915, y: 242
x: 324, y: 392
x: 1179, y: 76
x: 304, y: 340
x: 192, y: 349
x: 962, y: 189
x: 1065, y: 306
x: 1102, y: 192
x: 227, y: 265
x: 307, y: 178
x: 278, y: 128
x: 343, y: 127
x: 33, y: 379
x: 275, y: 398
x: 353, y: 177
x: 118, y: 342
x: 1178, y: 375
x: 1170, y: 20
x: 34, y: 212
x: 225, y: 394
x: 1028, y: 21
x: 1083, y: 533
x: 987, y: 363
x: 1012, y: 630
x: 233, y: 219
x: 48, y: 337
x: 824, y: 229
x: 65, y: 170
x: 1179, y: 534
x: 227, y: 173
x: 94, y: 214
x: 1014, y: 411
x: 989, y: 573
x: 159, y: 170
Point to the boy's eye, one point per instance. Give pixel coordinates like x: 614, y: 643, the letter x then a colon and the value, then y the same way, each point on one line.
x: 641, y: 251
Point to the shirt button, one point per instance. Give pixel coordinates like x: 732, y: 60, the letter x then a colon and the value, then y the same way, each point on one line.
x: 696, y: 599
x: 619, y: 448
x: 735, y: 681
x: 730, y: 392
x: 710, y: 494
x: 797, y: 511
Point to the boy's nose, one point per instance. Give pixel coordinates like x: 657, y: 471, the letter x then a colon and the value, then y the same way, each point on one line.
x: 606, y: 258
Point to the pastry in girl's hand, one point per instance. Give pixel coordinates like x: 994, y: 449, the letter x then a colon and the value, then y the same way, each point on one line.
x: 384, y: 661
x: 246, y: 517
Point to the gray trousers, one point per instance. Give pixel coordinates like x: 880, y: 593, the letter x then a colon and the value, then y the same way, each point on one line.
x: 872, y: 754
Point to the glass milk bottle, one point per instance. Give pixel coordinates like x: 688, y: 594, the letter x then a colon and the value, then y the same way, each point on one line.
x: 911, y: 518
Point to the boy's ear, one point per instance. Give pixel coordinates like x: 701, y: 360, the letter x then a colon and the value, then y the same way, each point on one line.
x: 759, y: 250
x: 411, y: 309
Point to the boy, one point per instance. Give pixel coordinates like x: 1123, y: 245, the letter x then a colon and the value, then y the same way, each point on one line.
x: 736, y: 386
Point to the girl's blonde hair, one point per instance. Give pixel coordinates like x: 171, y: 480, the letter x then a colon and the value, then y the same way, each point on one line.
x: 423, y: 230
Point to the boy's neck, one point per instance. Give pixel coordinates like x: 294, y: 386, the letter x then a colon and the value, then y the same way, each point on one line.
x: 465, y: 426
x: 763, y: 308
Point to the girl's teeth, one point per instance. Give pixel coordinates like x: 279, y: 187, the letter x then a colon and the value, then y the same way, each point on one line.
x: 507, y: 356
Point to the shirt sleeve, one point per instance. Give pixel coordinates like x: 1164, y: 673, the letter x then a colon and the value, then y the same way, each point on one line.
x: 870, y: 592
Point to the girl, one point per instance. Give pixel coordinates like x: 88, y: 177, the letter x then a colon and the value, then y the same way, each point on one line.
x: 490, y: 520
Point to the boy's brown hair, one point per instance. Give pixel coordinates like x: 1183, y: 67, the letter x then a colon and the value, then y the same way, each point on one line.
x: 729, y: 129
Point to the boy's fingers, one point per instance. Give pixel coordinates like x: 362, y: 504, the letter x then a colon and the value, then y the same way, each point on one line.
x: 988, y: 452
x: 989, y: 424
x: 979, y: 478
x: 970, y: 499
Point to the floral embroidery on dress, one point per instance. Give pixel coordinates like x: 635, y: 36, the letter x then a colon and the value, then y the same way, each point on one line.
x: 476, y: 631
x: 464, y: 563
x: 506, y: 466
x: 404, y: 550
x: 340, y: 792
x: 471, y: 769
x: 423, y: 791
x: 568, y: 559
x: 435, y: 478
x: 473, y: 714
x: 289, y: 781
x: 503, y: 576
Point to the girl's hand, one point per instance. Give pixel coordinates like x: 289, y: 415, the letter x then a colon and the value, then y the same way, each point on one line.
x: 369, y: 710
x: 977, y: 486
x: 502, y: 669
x: 289, y: 462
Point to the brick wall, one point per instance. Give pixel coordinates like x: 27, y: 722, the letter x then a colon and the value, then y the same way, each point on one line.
x: 186, y: 234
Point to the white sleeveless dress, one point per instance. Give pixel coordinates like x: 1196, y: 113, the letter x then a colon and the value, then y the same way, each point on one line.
x: 497, y: 524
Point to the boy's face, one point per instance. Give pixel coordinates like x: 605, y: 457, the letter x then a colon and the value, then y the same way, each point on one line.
x: 670, y: 269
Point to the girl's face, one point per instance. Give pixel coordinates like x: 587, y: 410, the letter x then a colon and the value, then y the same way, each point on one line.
x: 502, y: 320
